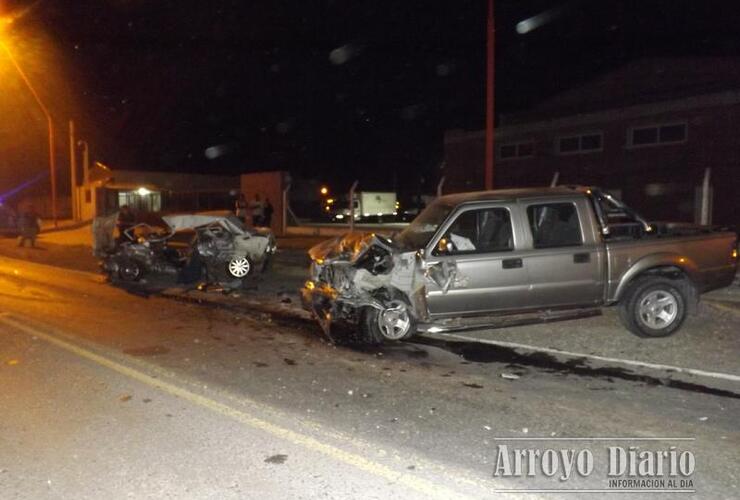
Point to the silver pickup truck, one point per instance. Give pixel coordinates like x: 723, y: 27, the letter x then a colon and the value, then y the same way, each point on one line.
x: 489, y: 258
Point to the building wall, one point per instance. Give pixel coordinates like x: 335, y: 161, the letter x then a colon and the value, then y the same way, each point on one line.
x: 659, y: 180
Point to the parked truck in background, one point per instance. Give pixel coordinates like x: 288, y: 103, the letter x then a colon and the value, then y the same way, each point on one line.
x: 491, y: 258
x: 375, y: 206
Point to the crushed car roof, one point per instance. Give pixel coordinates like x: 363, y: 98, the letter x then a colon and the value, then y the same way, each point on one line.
x: 192, y: 221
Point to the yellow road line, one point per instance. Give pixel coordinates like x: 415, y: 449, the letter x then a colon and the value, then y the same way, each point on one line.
x: 382, y: 471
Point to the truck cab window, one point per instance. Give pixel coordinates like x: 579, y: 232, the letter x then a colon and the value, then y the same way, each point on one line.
x: 480, y: 231
x: 554, y: 225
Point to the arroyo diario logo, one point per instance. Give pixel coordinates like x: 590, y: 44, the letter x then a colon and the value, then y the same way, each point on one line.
x: 596, y: 464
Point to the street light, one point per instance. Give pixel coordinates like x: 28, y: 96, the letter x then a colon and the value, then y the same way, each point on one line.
x: 4, y: 22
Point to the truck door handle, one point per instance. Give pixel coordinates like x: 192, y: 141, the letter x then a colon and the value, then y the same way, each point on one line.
x: 511, y: 263
x: 581, y: 258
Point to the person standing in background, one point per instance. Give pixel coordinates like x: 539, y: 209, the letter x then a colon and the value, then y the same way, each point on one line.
x: 240, y: 208
x: 258, y: 211
x: 29, y: 226
x: 269, y: 209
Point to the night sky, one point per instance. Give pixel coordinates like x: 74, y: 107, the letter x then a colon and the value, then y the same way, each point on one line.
x: 334, y: 90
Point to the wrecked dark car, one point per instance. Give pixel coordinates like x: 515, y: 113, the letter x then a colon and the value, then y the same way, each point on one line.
x: 497, y: 258
x: 214, y: 249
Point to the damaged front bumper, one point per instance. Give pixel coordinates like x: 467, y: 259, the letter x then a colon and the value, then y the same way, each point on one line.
x: 333, y: 310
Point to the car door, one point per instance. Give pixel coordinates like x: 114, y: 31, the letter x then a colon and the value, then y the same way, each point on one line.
x: 566, y: 260
x: 473, y: 264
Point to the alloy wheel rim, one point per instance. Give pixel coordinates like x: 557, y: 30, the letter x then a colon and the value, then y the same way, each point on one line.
x: 239, y: 268
x: 658, y: 309
x: 394, y: 321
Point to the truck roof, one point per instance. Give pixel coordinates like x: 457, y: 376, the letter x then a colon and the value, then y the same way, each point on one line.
x: 513, y: 194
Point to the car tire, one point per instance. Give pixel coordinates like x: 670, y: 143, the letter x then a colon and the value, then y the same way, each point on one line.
x: 239, y: 268
x: 130, y: 270
x: 654, y: 306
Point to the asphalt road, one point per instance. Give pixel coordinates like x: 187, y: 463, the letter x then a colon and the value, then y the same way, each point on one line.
x: 108, y: 394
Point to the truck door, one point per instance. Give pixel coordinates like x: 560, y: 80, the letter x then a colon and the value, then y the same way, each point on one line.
x: 475, y: 267
x: 566, y: 263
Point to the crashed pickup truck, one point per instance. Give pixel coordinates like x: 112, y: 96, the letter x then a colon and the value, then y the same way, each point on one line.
x: 217, y: 249
x: 494, y: 258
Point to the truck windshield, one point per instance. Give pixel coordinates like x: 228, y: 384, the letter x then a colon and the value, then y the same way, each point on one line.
x: 421, y: 230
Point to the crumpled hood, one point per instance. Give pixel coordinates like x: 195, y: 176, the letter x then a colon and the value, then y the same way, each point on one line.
x: 348, y: 247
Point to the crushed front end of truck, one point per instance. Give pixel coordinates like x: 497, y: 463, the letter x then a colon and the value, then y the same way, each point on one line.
x: 366, y: 284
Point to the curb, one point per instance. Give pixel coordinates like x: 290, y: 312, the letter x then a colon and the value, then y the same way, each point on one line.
x: 724, y: 305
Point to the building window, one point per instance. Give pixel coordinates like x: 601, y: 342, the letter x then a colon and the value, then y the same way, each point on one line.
x: 584, y: 143
x: 657, y: 134
x: 517, y: 150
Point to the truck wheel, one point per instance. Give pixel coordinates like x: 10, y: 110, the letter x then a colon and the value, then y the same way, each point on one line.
x: 393, y: 323
x: 653, y: 307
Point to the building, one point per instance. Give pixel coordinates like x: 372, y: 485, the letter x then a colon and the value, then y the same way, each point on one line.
x: 109, y: 189
x: 166, y: 192
x: 647, y: 131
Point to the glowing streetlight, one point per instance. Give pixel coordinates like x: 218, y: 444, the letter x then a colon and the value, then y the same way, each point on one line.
x: 4, y: 23
x: 324, y: 190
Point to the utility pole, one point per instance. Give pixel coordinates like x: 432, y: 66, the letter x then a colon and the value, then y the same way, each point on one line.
x: 73, y: 172
x: 490, y: 96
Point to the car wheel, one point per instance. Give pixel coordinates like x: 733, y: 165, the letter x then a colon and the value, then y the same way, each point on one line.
x: 239, y: 267
x: 654, y: 307
x: 130, y: 270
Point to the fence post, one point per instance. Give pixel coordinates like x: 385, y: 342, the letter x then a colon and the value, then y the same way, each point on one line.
x: 352, y: 206
x: 706, y: 207
x: 285, y: 209
x: 440, y: 185
x: 555, y: 179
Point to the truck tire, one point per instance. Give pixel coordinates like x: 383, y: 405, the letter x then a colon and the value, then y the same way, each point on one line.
x: 392, y: 324
x: 369, y: 334
x: 654, y: 306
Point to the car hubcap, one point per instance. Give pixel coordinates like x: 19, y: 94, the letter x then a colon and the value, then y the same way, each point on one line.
x: 130, y: 271
x: 658, y: 309
x: 239, y: 267
x: 394, y: 321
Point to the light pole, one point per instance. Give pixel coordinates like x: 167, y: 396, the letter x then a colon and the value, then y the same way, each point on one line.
x: 50, y: 125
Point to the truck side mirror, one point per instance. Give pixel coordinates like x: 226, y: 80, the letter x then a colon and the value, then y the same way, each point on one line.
x: 445, y: 247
